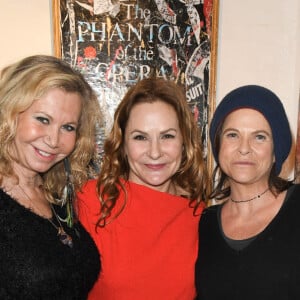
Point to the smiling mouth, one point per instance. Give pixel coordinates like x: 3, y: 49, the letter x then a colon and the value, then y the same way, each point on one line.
x: 43, y: 153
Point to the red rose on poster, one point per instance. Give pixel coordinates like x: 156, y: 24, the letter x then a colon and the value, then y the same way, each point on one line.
x: 90, y: 52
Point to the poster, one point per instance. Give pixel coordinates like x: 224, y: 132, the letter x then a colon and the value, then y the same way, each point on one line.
x: 114, y: 44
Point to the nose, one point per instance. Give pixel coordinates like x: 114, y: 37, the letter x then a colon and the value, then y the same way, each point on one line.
x: 155, y: 149
x: 52, y: 138
x: 244, y: 146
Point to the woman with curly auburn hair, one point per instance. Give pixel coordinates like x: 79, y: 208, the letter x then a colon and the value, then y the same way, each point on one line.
x: 143, y: 211
x: 48, y: 115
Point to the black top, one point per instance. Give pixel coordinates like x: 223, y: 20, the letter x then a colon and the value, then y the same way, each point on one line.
x: 266, y: 269
x: 34, y: 264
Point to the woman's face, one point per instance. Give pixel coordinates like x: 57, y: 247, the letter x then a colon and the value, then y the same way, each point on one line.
x: 153, y: 145
x: 246, y: 147
x: 46, y: 131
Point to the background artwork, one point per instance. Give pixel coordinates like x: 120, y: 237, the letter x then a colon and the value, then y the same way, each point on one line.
x: 117, y: 43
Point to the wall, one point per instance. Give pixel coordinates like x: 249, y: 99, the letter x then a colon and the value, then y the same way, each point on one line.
x: 259, y: 42
x: 25, y: 29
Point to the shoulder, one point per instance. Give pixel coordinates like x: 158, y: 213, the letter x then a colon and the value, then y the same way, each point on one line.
x: 293, y: 192
x: 292, y: 195
x: 88, y: 193
x: 209, y: 224
x: 88, y: 205
x: 210, y: 213
x: 212, y: 209
x: 89, y: 187
x: 295, y: 188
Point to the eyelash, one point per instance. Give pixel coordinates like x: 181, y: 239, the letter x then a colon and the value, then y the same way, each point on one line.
x: 231, y: 134
x: 69, y: 128
x: 43, y: 120
x: 261, y: 137
x: 165, y: 136
x: 258, y: 136
x: 139, y: 138
x: 168, y: 136
x: 46, y: 121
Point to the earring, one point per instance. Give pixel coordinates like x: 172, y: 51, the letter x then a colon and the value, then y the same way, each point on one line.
x: 68, y: 195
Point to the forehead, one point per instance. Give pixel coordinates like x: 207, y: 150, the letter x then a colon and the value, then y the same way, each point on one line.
x: 158, y: 110
x: 58, y: 103
x: 247, y: 117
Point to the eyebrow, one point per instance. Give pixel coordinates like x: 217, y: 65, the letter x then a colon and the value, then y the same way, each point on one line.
x: 256, y: 131
x: 161, y: 132
x: 51, y: 118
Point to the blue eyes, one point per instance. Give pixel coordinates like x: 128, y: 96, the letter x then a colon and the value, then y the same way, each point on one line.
x: 261, y: 137
x: 46, y: 121
x: 234, y: 135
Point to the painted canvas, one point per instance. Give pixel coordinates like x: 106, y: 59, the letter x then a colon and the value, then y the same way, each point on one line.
x: 116, y: 43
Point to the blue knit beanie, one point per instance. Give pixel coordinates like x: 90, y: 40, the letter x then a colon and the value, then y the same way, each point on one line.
x: 267, y: 103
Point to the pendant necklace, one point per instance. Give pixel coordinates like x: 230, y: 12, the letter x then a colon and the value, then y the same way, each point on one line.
x: 248, y: 200
x: 65, y: 238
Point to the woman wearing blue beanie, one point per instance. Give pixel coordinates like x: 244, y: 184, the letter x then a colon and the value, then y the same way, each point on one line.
x: 250, y: 243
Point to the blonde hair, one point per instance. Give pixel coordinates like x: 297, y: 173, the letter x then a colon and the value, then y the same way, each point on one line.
x: 191, y: 176
x: 28, y: 80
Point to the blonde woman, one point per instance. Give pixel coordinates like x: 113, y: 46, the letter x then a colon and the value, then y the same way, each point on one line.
x: 47, y: 128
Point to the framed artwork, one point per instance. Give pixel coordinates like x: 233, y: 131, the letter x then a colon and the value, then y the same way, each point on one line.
x: 115, y: 43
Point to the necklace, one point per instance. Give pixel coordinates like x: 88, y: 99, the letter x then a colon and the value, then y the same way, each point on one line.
x: 248, y: 200
x: 65, y: 238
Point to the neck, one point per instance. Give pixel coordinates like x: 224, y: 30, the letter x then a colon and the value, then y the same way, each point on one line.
x: 25, y: 177
x: 257, y: 196
x: 29, y: 193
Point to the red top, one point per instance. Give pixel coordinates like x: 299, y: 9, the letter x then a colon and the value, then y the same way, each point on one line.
x: 149, y: 250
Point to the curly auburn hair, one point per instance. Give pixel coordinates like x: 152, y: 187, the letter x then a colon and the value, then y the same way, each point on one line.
x: 191, y: 175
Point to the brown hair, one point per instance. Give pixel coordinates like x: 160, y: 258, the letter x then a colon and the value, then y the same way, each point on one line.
x: 191, y: 176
